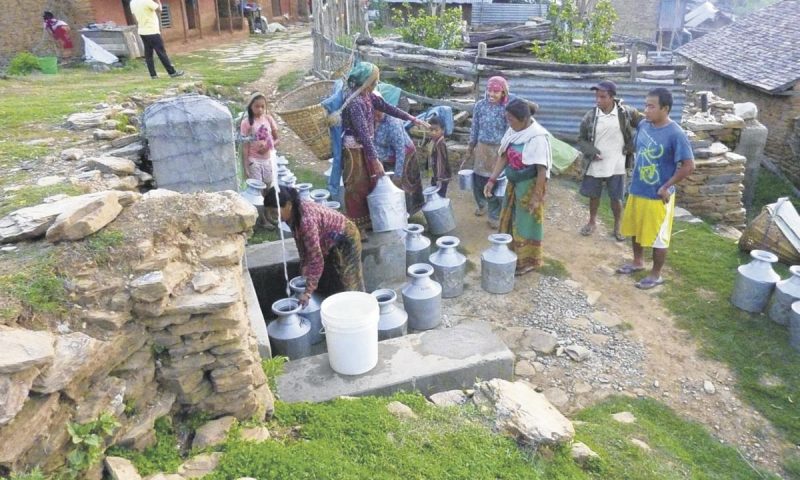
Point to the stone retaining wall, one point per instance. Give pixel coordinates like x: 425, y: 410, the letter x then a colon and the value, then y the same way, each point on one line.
x: 164, y: 330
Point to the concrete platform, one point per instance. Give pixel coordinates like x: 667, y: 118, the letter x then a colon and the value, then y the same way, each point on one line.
x: 429, y: 362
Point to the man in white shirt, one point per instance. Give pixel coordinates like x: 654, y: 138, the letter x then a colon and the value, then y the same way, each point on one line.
x: 149, y: 27
x: 606, y: 139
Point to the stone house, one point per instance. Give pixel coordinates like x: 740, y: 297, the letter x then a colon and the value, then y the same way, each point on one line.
x: 757, y: 59
x: 181, y: 20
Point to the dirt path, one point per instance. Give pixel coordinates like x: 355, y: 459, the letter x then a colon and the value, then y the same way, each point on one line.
x: 636, y: 348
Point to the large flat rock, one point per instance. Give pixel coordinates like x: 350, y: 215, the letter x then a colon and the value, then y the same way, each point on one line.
x: 429, y: 362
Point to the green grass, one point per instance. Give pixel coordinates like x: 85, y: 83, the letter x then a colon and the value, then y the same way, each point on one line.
x: 273, y: 368
x: 290, y: 81
x: 348, y: 439
x: 33, y: 195
x: 770, y: 187
x: 164, y: 456
x: 101, y: 245
x: 35, y: 289
x: 554, y: 268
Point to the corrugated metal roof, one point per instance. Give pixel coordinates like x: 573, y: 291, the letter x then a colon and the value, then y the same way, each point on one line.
x: 505, y: 13
x: 562, y: 103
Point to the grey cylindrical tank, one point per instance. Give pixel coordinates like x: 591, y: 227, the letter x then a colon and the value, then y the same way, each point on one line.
x: 438, y: 212
x: 393, y: 320
x: 449, y: 266
x: 422, y: 298
x: 785, y: 294
x: 418, y: 246
x: 288, y: 334
x: 498, y: 264
x: 311, y: 311
x: 794, y: 326
x: 387, y: 206
x: 755, y: 282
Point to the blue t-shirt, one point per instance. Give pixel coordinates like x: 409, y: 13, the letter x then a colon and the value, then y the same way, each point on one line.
x: 658, y: 151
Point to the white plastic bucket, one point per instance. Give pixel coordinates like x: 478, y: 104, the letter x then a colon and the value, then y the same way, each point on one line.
x: 350, y: 320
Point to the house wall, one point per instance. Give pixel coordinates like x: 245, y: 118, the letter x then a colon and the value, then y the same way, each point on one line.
x: 109, y: 11
x: 778, y: 113
x: 637, y: 18
x: 21, y: 22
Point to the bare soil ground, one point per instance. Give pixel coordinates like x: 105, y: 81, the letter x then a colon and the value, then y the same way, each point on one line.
x: 636, y: 348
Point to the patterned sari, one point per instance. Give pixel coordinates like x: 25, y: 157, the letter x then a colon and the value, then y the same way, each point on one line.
x: 342, y: 271
x: 516, y: 218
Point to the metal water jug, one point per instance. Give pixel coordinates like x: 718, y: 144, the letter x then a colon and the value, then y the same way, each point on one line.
x: 755, y: 282
x: 311, y: 311
x: 393, y: 320
x: 449, y: 266
x: 785, y: 294
x: 304, y: 191
x: 499, y: 189
x: 465, y: 179
x: 794, y: 327
x: 387, y: 206
x: 418, y: 246
x: 283, y: 172
x: 281, y: 160
x: 287, y: 181
x: 289, y: 333
x: 254, y: 193
x: 320, y: 195
x: 333, y: 205
x: 422, y: 298
x: 498, y: 264
x: 438, y: 212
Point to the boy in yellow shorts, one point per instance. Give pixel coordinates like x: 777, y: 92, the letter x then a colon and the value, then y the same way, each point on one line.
x: 663, y: 158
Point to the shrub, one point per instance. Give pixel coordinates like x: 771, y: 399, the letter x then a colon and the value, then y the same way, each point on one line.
x: 423, y: 82
x: 568, y: 26
x: 23, y: 64
x: 432, y: 31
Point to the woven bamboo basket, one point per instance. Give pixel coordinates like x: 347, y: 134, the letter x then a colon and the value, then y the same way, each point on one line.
x: 762, y: 233
x: 302, y: 111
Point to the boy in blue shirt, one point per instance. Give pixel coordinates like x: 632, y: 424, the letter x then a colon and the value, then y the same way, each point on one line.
x: 663, y: 158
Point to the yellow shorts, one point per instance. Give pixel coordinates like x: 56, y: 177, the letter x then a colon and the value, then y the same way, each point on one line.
x: 650, y: 221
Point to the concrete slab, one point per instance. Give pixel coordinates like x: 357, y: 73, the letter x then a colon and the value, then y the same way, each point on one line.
x: 257, y: 324
x: 383, y: 260
x: 429, y: 362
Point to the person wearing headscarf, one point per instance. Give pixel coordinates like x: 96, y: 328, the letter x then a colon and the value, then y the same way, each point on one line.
x: 397, y: 152
x: 526, y: 160
x: 361, y: 167
x: 488, y: 127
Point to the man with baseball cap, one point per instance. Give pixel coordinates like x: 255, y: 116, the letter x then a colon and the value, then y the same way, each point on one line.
x: 606, y: 140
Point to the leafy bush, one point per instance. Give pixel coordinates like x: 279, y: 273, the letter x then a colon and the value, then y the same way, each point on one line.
x: 23, y: 64
x: 423, y: 82
x: 432, y: 31
x: 568, y: 27
x: 90, y: 441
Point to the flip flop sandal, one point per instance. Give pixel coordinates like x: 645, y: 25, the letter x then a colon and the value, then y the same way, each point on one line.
x: 587, y: 230
x: 647, y: 283
x: 619, y: 237
x: 627, y: 269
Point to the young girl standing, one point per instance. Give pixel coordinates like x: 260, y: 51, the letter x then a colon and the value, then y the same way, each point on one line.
x: 258, y: 154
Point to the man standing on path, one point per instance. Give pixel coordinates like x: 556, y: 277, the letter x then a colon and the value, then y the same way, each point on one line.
x: 606, y: 139
x: 663, y: 158
x: 147, y: 17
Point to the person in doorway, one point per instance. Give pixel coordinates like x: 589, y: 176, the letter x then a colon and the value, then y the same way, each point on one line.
x: 526, y: 159
x: 397, y: 152
x: 148, y: 20
x: 360, y: 165
x: 59, y: 30
x: 440, y: 162
x: 488, y: 127
x: 258, y: 154
x: 606, y: 140
x: 328, y: 243
x: 664, y: 157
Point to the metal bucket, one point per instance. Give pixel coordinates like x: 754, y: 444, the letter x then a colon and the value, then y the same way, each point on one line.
x: 465, y: 179
x: 289, y: 333
x: 755, y: 282
x: 387, y: 206
x: 438, y: 212
x: 500, y: 187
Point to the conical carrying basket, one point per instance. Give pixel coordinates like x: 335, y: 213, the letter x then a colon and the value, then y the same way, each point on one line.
x: 302, y: 110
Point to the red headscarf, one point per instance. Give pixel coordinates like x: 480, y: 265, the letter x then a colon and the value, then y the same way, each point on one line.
x: 496, y: 84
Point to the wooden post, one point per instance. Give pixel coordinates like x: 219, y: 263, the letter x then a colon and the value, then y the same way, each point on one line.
x: 219, y: 17
x: 230, y: 16
x: 481, y: 54
x: 184, y: 22
x: 197, y: 17
x: 634, y: 60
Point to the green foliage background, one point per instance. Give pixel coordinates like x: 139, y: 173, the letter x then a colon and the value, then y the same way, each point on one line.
x: 577, y: 39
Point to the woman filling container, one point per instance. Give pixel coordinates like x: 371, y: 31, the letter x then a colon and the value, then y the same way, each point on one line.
x: 328, y: 243
x: 361, y: 166
x: 397, y: 151
x: 525, y: 157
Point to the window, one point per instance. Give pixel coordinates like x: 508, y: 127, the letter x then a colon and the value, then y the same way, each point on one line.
x: 166, y: 16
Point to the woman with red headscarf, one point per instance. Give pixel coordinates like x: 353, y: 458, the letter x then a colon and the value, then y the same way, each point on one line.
x: 488, y: 126
x: 59, y: 30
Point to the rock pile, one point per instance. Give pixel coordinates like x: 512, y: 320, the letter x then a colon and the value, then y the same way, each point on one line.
x: 163, y: 330
x: 715, y: 189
